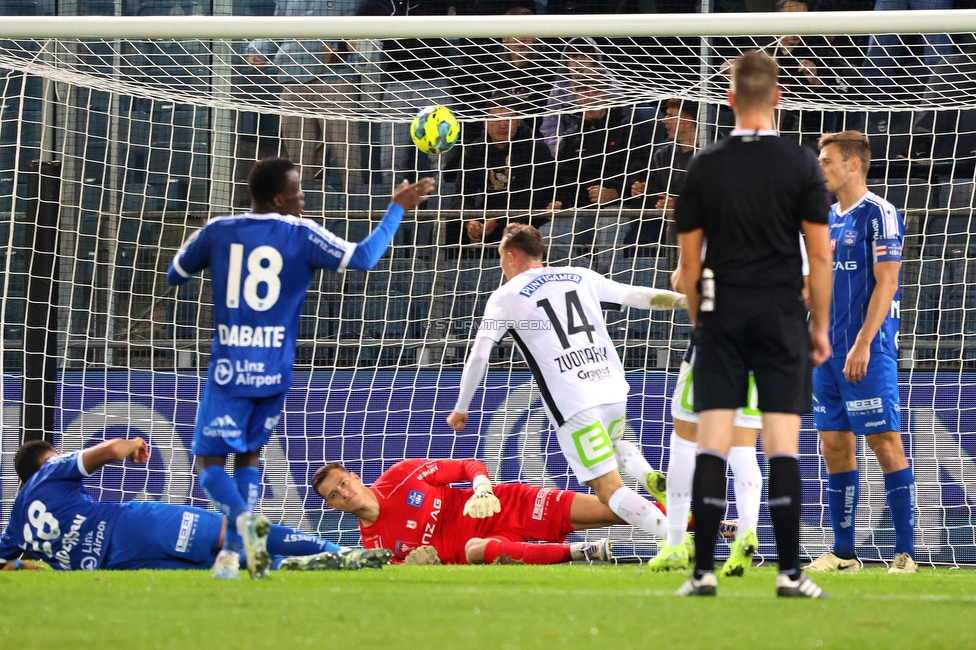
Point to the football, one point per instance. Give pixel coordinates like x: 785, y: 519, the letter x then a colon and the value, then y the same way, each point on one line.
x: 435, y: 130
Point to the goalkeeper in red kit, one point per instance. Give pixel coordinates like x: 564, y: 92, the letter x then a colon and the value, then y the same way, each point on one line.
x: 413, y: 510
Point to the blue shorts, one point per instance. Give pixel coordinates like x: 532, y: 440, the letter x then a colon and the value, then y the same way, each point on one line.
x: 228, y: 424
x: 153, y: 535
x: 872, y: 405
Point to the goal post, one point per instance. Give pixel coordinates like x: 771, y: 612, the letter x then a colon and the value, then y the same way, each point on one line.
x: 154, y: 121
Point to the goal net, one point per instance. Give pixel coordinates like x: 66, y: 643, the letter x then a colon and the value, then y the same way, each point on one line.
x: 114, y: 148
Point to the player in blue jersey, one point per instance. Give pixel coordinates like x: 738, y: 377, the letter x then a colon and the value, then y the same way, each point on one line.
x: 261, y: 264
x: 57, y: 520
x: 856, y: 391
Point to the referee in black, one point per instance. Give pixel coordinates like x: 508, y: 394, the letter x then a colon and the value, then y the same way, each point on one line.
x: 749, y: 196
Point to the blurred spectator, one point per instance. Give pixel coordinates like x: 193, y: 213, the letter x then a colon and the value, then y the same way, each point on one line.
x: 594, y: 144
x: 507, y: 170
x: 519, y: 67
x: 417, y: 73
x: 885, y: 68
x: 315, y: 76
x: 580, y: 64
x: 658, y: 186
x: 665, y: 176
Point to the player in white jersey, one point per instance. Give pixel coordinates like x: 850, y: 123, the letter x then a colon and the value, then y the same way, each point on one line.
x: 555, y: 316
x: 747, y: 476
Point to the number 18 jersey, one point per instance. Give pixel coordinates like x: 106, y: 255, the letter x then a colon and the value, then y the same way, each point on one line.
x: 260, y: 269
x: 555, y: 316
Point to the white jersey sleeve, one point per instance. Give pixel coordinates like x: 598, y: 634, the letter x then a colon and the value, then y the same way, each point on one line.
x: 614, y: 295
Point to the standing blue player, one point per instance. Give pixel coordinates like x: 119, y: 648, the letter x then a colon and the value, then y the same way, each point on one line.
x: 56, y: 519
x: 261, y: 264
x: 856, y: 391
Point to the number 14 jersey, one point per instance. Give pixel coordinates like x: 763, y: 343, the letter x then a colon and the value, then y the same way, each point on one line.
x: 555, y: 315
x: 260, y: 269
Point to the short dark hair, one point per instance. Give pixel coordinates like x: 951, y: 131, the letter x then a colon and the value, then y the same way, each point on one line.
x: 323, y: 472
x: 754, y: 76
x: 27, y: 460
x: 685, y: 107
x: 525, y: 238
x: 503, y: 99
x: 519, y: 11
x: 851, y: 144
x: 268, y: 178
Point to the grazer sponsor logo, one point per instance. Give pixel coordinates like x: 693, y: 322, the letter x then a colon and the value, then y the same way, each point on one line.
x: 245, y: 336
x: 222, y: 427
x: 860, y: 406
x: 594, y: 375
x: 187, y: 528
x: 849, y: 265
x: 578, y: 358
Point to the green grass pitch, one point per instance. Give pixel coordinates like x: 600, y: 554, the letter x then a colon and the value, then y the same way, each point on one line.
x: 428, y: 608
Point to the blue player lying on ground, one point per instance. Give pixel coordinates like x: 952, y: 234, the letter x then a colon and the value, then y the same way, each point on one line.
x: 57, y: 520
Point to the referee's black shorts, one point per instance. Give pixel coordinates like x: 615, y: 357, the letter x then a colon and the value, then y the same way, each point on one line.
x: 764, y: 331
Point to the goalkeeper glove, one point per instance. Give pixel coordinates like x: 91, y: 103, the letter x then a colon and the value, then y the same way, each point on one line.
x: 423, y: 556
x: 483, y: 503
x: 668, y: 300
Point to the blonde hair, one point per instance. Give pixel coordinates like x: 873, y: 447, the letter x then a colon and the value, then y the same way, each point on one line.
x: 851, y: 144
x: 754, y: 76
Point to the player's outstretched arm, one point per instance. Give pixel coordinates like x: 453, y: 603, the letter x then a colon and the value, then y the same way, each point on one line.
x: 616, y: 295
x: 648, y: 298
x: 406, y: 197
x: 110, y: 451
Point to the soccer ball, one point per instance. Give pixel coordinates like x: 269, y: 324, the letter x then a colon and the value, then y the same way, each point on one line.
x: 435, y: 130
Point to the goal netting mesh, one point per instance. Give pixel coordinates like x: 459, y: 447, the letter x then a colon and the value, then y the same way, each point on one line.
x: 113, y: 150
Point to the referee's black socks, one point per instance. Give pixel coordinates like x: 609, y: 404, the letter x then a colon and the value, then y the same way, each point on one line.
x: 708, y: 498
x: 784, y: 510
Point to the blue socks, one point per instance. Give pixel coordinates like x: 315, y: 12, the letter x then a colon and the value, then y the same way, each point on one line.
x: 900, y: 495
x: 222, y: 492
x: 248, y: 481
x: 843, y: 490
x: 286, y: 541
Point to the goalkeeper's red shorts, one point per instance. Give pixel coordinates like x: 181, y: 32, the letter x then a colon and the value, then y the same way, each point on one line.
x: 530, y: 513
